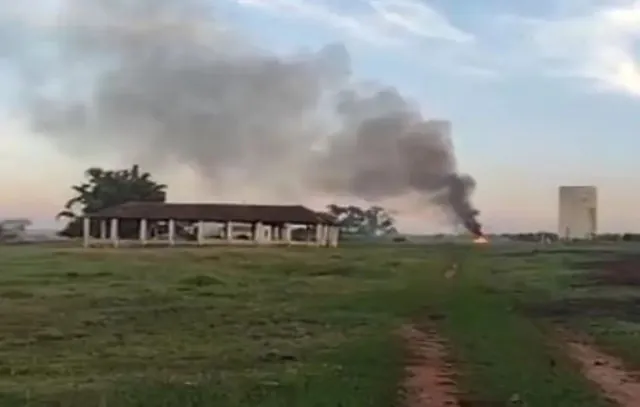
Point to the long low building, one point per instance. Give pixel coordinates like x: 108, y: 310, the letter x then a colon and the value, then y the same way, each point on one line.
x: 158, y: 222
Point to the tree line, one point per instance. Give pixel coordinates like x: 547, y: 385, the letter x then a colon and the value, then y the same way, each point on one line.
x: 104, y: 188
x: 553, y: 237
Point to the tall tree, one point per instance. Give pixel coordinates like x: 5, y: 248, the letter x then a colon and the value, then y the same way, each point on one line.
x: 356, y: 221
x: 106, y: 188
x: 379, y: 222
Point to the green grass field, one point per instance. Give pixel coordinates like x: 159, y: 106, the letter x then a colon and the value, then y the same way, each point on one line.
x: 242, y: 327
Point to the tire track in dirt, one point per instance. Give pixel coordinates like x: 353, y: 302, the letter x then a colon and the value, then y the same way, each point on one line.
x: 429, y: 380
x: 608, y: 372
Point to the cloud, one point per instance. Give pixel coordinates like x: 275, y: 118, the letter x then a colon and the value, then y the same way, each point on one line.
x: 418, y: 19
x: 381, y: 22
x: 411, y: 27
x: 361, y: 27
x: 25, y: 14
x: 598, y: 44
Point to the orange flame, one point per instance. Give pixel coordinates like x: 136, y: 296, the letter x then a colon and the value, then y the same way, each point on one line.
x: 481, y: 240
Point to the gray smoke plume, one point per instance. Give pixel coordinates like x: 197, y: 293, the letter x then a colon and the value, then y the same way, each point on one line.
x: 164, y: 80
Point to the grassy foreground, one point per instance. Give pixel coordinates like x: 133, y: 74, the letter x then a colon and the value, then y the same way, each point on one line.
x: 502, y: 352
x: 205, y: 327
x: 269, y: 327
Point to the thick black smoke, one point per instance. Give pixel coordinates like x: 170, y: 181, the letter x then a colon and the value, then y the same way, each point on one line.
x: 164, y: 80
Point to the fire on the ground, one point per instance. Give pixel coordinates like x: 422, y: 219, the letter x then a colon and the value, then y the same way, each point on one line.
x: 481, y: 240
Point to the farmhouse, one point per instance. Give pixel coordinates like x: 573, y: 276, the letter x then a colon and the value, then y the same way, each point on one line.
x: 205, y: 223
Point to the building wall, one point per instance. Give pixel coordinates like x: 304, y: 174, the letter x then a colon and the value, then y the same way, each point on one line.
x: 578, y: 212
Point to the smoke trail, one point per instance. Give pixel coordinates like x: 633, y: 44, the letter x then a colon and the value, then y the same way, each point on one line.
x: 165, y: 80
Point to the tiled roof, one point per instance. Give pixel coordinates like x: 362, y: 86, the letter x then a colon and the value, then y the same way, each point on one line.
x: 214, y: 212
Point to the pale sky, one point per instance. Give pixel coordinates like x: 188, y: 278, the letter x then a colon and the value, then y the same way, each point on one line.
x: 541, y: 93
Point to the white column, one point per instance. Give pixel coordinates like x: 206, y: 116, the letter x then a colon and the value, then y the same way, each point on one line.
x: 200, y: 232
x: 143, y: 231
x: 229, y: 231
x: 86, y: 231
x: 334, y: 235
x: 325, y: 235
x: 286, y: 231
x: 172, y: 232
x: 258, y: 232
x: 103, y: 229
x: 319, y: 233
x: 115, y: 238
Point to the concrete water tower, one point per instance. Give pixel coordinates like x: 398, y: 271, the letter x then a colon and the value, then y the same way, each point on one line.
x: 578, y: 212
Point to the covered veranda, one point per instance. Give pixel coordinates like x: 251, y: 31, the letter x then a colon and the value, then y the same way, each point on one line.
x: 155, y: 223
